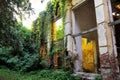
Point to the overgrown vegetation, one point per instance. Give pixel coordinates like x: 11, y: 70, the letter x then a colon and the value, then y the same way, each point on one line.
x: 43, y: 28
x: 24, y: 57
x: 8, y: 22
x: 20, y: 48
x: 39, y: 75
x: 17, y: 48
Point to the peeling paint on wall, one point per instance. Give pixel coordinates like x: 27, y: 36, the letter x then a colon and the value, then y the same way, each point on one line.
x: 88, y: 53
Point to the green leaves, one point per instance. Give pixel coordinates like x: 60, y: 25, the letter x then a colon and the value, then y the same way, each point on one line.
x: 8, y: 22
x: 21, y: 63
x: 37, y: 75
x: 22, y: 56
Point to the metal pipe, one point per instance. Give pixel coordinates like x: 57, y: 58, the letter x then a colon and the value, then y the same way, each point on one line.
x: 114, y: 22
x: 85, y: 32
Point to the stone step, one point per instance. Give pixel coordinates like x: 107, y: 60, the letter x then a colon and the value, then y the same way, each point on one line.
x: 88, y: 76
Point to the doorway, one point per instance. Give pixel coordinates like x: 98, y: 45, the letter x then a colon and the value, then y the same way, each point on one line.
x: 85, y: 23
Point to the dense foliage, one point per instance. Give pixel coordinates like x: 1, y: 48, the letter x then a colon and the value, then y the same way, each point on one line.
x: 17, y: 46
x: 39, y: 75
x: 42, y: 25
x: 43, y: 29
x: 23, y: 57
x: 8, y: 23
x: 20, y: 47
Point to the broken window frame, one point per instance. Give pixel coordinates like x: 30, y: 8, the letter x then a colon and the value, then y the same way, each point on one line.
x: 114, y: 22
x: 85, y: 32
x: 95, y: 28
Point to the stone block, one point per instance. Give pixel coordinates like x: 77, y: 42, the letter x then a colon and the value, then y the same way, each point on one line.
x: 105, y: 60
x: 69, y: 43
x: 98, y: 2
x: 68, y: 16
x: 87, y: 76
x: 102, y: 35
x: 100, y: 16
x: 103, y: 50
x: 67, y: 29
x: 106, y: 74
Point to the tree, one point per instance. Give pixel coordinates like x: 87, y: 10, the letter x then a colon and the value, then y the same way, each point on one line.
x: 8, y: 21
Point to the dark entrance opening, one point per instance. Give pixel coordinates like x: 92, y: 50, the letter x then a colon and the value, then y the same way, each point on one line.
x: 116, y: 16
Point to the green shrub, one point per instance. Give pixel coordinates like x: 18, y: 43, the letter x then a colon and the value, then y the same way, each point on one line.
x: 98, y: 77
x: 56, y: 75
x: 24, y: 62
x: 22, y: 57
x: 36, y: 75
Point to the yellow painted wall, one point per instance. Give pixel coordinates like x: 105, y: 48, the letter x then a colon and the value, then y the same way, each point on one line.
x: 88, y: 53
x: 54, y: 31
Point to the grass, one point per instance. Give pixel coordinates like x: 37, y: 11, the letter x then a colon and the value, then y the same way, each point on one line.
x: 6, y: 74
x: 14, y: 75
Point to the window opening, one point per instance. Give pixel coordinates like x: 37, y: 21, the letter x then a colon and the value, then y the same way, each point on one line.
x: 85, y: 21
x: 58, y: 42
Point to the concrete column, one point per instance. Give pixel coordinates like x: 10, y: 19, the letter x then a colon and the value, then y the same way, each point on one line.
x: 77, y: 43
x: 71, y: 46
x: 106, y: 47
x: 68, y: 30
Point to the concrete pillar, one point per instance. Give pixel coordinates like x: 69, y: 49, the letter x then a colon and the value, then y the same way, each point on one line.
x: 68, y: 30
x: 77, y: 43
x: 71, y: 46
x: 106, y: 47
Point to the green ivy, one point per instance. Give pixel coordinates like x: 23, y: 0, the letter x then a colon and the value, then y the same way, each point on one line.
x: 43, y: 26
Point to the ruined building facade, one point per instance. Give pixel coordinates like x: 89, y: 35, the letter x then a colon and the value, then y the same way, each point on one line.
x: 92, y: 31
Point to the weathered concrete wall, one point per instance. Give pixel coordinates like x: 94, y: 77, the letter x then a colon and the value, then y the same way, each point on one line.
x: 77, y: 43
x: 108, y: 60
x: 106, y: 47
x: 68, y: 30
x: 72, y: 47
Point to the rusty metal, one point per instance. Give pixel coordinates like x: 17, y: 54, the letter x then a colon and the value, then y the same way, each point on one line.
x: 114, y: 22
x: 95, y: 28
x: 85, y: 32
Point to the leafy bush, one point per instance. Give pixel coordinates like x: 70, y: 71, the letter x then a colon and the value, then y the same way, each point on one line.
x: 23, y: 57
x: 44, y: 64
x: 56, y: 75
x: 26, y: 62
x: 99, y: 77
x: 36, y: 75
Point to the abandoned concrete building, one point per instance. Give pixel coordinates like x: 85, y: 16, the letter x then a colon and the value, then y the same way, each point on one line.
x: 92, y: 31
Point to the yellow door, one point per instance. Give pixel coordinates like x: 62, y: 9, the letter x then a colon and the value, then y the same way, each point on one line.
x: 88, y: 52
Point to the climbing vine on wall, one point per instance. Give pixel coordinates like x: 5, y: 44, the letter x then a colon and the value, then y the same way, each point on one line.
x: 43, y: 25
